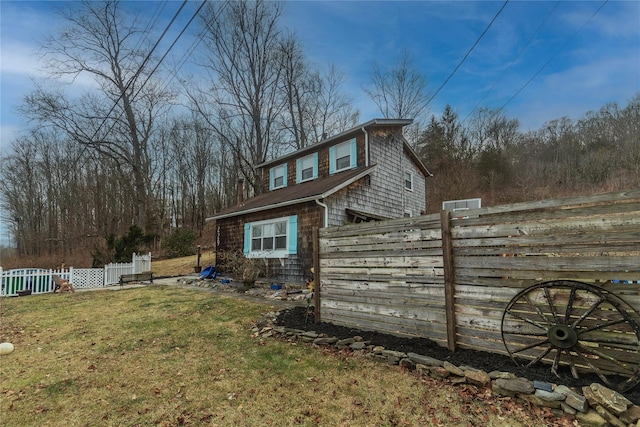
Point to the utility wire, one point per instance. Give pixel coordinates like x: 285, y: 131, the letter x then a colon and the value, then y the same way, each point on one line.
x: 546, y: 18
x: 468, y: 53
x: 553, y: 56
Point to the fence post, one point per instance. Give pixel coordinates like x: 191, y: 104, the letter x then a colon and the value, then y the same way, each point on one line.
x: 449, y: 278
x: 316, y: 274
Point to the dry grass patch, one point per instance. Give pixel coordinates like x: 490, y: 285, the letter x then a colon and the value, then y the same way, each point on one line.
x: 170, y: 356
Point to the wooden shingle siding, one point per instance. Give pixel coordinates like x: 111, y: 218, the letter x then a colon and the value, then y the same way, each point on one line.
x: 297, y: 266
x: 388, y: 276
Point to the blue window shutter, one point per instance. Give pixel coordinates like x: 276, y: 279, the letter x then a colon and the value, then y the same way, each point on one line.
x: 284, y: 178
x: 332, y: 160
x: 354, y: 153
x: 315, y: 165
x: 247, y: 238
x: 271, y: 179
x: 293, y: 234
x: 298, y: 171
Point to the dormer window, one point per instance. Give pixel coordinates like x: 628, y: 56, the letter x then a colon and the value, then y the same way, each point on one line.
x: 278, y: 177
x: 307, y: 168
x: 342, y: 156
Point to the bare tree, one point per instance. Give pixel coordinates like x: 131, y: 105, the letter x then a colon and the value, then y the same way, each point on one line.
x: 400, y: 92
x: 116, y: 117
x: 244, y: 63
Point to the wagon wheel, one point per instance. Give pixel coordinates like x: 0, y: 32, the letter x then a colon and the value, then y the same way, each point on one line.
x: 575, y: 325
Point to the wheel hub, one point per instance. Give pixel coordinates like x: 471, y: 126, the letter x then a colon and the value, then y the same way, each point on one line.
x: 562, y: 336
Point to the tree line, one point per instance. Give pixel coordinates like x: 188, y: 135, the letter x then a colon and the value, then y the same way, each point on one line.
x: 146, y: 149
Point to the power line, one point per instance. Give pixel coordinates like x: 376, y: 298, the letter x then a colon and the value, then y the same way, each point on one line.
x: 546, y: 18
x: 468, y: 52
x: 553, y: 56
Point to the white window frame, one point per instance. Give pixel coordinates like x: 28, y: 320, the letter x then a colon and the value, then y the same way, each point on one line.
x: 408, y: 213
x: 255, y: 231
x: 279, y: 171
x: 404, y: 179
x: 341, y: 149
x: 312, y: 159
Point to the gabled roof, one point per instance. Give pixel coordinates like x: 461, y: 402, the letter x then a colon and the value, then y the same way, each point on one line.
x: 300, y: 193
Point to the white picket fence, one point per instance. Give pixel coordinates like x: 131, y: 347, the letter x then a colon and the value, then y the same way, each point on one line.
x: 39, y: 281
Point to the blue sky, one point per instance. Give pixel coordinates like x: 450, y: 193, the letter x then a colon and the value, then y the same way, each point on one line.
x: 580, y: 61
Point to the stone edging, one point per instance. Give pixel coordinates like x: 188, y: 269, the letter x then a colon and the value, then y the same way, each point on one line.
x: 593, y: 405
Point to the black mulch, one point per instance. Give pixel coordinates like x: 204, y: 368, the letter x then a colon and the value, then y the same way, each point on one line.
x: 295, y: 318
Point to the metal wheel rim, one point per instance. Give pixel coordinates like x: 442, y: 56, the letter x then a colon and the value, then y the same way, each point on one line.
x: 560, y: 334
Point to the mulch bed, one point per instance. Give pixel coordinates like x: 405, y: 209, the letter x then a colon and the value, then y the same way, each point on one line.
x: 295, y: 318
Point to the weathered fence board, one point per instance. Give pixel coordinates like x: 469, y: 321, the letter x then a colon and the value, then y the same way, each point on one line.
x: 400, y: 276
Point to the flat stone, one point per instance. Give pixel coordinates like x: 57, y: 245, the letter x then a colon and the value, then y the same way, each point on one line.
x: 611, y: 419
x: 310, y: 334
x: 378, y: 349
x: 344, y: 342
x: 424, y: 360
x: 532, y: 398
x: 504, y: 375
x: 359, y: 345
x: 631, y: 415
x: 501, y: 391
x: 477, y: 377
x: 568, y: 409
x: 549, y: 395
x: 325, y: 341
x: 438, y: 372
x: 573, y: 398
x: 458, y: 380
x: 518, y: 385
x: 453, y: 369
x: 591, y: 419
x: 611, y: 400
x: 397, y: 354
x: 543, y: 385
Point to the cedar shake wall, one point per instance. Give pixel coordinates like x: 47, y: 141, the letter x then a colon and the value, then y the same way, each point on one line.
x: 230, y: 237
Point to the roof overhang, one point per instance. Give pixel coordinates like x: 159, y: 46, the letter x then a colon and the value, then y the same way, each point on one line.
x: 319, y: 196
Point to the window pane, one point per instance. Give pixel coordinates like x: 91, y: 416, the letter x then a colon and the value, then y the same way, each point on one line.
x: 281, y: 242
x: 256, y: 231
x: 255, y: 244
x: 307, y: 173
x: 267, y: 243
x: 278, y: 182
x: 408, y: 182
x: 280, y: 228
x: 343, y: 162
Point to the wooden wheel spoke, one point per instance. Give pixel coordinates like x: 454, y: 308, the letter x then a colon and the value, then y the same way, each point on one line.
x: 530, y: 346
x: 552, y: 308
x: 556, y: 362
x: 589, y: 350
x: 601, y: 326
x: 537, y: 309
x: 526, y: 319
x: 567, y: 313
x: 593, y: 368
x: 540, y: 356
x: 588, y: 312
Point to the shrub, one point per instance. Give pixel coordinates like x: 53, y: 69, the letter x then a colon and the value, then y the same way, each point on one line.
x: 180, y: 243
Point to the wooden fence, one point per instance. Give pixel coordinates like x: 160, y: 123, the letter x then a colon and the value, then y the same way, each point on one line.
x: 450, y: 278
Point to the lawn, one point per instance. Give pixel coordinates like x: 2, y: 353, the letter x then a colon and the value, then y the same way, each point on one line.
x: 168, y: 356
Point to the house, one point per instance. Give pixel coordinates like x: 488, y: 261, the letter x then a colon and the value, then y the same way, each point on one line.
x: 366, y: 173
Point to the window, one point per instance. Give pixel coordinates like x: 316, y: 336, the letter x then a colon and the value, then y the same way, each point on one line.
x: 278, y: 177
x: 408, y: 213
x: 408, y: 181
x: 342, y: 156
x: 275, y: 238
x: 307, y: 168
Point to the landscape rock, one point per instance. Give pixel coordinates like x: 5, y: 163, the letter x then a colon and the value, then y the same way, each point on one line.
x: 591, y: 419
x: 477, y: 377
x: 573, y: 398
x: 453, y: 369
x: 631, y: 415
x: 517, y: 385
x: 611, y: 419
x: 607, y: 398
x: 424, y: 360
x: 532, y: 398
x: 543, y: 385
x: 549, y: 395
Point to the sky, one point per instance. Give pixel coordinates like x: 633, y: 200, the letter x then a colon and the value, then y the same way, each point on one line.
x: 536, y: 60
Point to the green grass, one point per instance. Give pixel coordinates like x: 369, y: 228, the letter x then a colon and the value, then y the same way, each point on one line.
x: 167, y: 356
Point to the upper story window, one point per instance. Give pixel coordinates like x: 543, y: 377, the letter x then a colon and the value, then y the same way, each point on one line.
x: 278, y: 177
x: 274, y: 238
x: 307, y: 168
x: 342, y: 156
x: 408, y: 181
